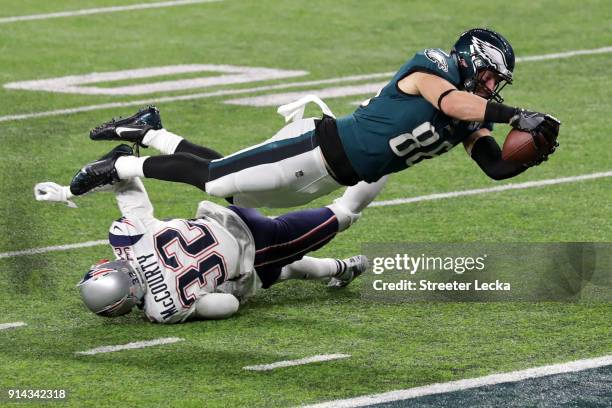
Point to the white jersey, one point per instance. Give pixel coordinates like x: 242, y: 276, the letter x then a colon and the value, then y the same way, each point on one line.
x: 181, y: 260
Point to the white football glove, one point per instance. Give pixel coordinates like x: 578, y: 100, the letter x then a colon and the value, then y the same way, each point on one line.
x: 50, y: 191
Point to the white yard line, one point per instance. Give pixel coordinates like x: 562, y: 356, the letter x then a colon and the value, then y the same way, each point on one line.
x: 277, y: 99
x: 505, y: 187
x: 566, y: 54
x: 189, y: 97
x: 441, y: 388
x: 85, y: 84
x: 42, y: 250
x: 85, y: 12
x: 130, y: 346
x: 4, y: 326
x: 290, y: 363
x: 397, y: 201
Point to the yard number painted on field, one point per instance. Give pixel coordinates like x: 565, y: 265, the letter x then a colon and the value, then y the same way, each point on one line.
x: 81, y: 84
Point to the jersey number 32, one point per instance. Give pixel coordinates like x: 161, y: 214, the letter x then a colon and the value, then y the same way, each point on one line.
x: 188, y: 254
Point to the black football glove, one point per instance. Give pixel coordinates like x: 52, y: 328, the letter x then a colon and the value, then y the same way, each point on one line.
x: 525, y: 120
x: 543, y: 127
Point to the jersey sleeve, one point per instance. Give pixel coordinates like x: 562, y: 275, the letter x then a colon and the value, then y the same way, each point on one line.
x: 436, y: 62
x: 133, y: 200
x: 123, y: 234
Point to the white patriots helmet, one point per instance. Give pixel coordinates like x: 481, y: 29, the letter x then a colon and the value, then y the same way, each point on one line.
x: 112, y: 288
x: 481, y: 49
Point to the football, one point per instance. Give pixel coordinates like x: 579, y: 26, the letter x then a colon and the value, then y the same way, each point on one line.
x: 519, y: 147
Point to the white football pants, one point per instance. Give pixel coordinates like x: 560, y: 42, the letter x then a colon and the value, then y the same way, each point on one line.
x: 286, y: 170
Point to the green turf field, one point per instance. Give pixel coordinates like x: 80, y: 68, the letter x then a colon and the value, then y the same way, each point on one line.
x: 392, y: 346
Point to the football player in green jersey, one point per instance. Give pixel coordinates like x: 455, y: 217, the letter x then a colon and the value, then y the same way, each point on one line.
x: 434, y: 102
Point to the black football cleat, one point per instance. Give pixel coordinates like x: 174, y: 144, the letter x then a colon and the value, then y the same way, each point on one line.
x: 99, y: 173
x: 130, y: 129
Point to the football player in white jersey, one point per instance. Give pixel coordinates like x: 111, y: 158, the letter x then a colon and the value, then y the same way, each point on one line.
x: 202, y: 268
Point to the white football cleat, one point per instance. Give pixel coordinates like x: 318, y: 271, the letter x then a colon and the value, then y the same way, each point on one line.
x: 355, y: 266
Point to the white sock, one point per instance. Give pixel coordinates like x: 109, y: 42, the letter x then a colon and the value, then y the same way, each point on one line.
x: 312, y: 268
x: 164, y: 141
x: 130, y: 166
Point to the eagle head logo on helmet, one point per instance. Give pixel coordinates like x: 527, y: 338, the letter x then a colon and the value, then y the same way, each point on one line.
x: 481, y: 49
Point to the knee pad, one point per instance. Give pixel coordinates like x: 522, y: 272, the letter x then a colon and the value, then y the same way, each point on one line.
x: 345, y: 217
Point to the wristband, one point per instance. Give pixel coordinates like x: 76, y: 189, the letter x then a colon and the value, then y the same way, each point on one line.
x: 498, y: 112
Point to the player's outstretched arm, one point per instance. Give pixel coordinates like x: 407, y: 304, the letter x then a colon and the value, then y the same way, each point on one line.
x: 216, y: 306
x: 469, y: 107
x: 133, y: 200
x: 56, y: 193
x: 445, y: 96
x: 53, y: 192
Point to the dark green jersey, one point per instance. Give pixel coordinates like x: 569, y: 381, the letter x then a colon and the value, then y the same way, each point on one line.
x: 394, y: 130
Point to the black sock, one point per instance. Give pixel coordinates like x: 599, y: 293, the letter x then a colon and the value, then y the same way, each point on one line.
x: 180, y: 167
x: 202, y: 152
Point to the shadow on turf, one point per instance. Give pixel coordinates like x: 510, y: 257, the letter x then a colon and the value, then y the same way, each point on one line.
x: 300, y: 293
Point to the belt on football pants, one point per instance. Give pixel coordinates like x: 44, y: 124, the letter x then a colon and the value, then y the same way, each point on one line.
x: 326, y: 136
x: 339, y: 166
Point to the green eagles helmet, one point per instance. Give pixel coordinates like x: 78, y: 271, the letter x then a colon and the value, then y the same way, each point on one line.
x: 479, y: 49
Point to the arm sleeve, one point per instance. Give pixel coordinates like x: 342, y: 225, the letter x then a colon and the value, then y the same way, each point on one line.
x: 133, y: 200
x: 487, y: 154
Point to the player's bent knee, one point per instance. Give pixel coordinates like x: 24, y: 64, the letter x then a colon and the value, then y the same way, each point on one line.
x: 345, y: 217
x: 216, y: 306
